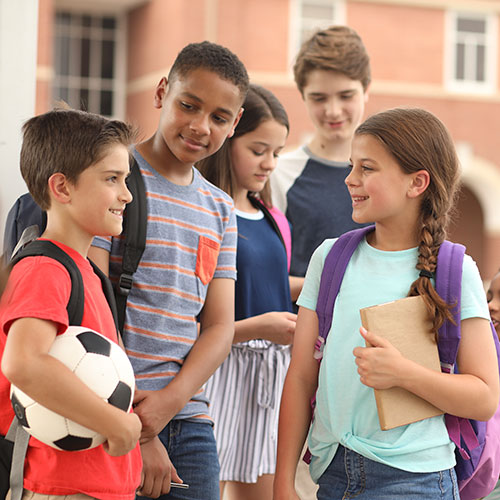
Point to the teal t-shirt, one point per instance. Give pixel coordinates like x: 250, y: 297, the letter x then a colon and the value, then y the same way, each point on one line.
x: 346, y: 412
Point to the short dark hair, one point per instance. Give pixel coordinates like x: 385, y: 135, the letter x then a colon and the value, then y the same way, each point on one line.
x: 212, y: 57
x: 337, y: 48
x: 66, y: 141
x: 260, y: 106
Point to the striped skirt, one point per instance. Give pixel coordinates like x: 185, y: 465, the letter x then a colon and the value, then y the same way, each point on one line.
x: 245, y: 394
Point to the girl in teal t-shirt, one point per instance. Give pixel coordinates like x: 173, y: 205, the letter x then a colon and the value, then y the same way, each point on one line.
x: 404, y: 177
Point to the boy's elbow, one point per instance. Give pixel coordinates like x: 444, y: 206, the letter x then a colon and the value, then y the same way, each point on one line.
x: 14, y: 370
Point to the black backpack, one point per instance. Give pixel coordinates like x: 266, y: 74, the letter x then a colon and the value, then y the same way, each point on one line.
x: 26, y: 221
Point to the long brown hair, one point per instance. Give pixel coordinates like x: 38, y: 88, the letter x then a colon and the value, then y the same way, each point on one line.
x: 260, y: 105
x: 419, y: 141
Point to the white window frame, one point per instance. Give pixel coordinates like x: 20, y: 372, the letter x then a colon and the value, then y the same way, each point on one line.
x: 118, y: 86
x: 297, y: 23
x: 490, y: 39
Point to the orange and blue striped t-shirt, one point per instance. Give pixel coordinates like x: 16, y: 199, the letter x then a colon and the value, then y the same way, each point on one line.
x: 191, y: 238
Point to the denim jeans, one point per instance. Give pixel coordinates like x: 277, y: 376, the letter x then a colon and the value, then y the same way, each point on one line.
x: 351, y: 475
x: 192, y: 450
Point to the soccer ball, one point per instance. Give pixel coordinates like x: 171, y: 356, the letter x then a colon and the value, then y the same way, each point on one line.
x: 100, y: 364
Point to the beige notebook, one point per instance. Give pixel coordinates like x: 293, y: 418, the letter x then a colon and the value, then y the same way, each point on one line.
x: 406, y: 325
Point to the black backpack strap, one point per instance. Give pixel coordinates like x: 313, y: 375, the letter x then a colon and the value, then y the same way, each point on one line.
x: 49, y: 249
x: 134, y: 230
x: 109, y: 293
x: 267, y: 214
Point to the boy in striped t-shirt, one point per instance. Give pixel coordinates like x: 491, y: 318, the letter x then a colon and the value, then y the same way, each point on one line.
x: 187, y: 272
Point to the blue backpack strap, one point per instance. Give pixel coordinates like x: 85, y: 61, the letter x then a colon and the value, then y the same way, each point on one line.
x: 331, y: 278
x: 449, y: 287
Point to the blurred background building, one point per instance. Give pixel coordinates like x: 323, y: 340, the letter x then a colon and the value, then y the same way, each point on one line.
x: 108, y: 55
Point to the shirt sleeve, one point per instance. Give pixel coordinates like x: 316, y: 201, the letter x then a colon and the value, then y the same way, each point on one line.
x: 103, y: 242
x: 473, y: 300
x: 38, y: 287
x: 309, y: 294
x: 226, y: 261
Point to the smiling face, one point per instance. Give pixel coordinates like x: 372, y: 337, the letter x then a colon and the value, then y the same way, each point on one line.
x: 199, y: 111
x: 494, y: 302
x: 254, y: 156
x: 380, y: 190
x: 99, y: 196
x: 335, y: 104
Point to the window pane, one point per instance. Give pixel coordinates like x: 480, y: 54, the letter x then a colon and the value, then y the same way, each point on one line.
x: 460, y: 62
x: 106, y: 102
x: 63, y: 62
x: 109, y: 23
x: 86, y: 21
x: 61, y: 94
x: 63, y: 18
x: 108, y: 59
x: 480, y: 63
x: 471, y: 25
x: 84, y: 99
x: 85, y: 57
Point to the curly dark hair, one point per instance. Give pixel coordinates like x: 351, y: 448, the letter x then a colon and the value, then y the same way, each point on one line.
x: 212, y: 57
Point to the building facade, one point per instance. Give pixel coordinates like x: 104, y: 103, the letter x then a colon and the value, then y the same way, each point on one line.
x: 107, y: 56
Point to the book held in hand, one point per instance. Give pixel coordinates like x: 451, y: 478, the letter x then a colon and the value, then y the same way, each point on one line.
x: 405, y: 323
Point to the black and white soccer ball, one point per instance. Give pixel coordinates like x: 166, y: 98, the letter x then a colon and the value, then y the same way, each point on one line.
x: 100, y: 364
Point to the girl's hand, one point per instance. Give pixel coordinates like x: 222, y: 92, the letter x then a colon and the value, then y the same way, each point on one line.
x: 278, y: 327
x: 380, y: 364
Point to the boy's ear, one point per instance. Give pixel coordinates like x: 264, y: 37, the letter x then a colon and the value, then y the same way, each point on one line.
x: 420, y: 182
x: 231, y: 132
x: 161, y: 90
x: 58, y: 188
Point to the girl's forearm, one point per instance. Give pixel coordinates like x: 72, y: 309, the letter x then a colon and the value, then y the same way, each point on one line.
x: 294, y: 421
x: 457, y: 394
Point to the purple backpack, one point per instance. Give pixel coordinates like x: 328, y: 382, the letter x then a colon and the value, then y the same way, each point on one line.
x: 477, y: 443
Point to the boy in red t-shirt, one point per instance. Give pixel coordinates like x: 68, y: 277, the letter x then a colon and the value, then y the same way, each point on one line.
x: 75, y: 165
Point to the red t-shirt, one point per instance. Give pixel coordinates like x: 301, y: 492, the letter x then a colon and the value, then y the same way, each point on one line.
x: 39, y: 287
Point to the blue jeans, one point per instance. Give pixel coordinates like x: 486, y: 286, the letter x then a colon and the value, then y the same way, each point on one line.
x: 192, y: 450
x: 351, y: 475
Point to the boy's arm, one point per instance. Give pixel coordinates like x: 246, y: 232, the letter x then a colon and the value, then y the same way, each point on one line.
x: 27, y: 364
x: 157, y: 408
x: 295, y: 410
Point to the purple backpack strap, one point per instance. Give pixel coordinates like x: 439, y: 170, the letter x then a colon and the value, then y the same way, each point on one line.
x: 449, y: 288
x: 331, y: 278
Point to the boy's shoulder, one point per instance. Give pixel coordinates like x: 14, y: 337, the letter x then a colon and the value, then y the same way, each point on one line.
x: 212, y: 193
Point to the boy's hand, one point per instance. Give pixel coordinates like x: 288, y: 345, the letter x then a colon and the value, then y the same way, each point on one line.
x: 157, y: 470
x: 380, y: 364
x: 154, y: 413
x: 125, y: 435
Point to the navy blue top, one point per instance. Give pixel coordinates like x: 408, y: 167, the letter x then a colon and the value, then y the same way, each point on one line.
x: 262, y: 285
x: 318, y: 207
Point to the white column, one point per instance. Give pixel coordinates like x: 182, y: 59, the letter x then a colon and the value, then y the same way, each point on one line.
x: 18, y: 53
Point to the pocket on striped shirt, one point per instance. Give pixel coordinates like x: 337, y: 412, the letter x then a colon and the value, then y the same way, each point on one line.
x: 206, y: 259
